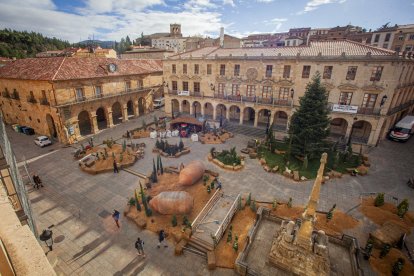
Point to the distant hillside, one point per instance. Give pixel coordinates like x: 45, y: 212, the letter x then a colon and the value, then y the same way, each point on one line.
x: 24, y: 44
x: 102, y: 44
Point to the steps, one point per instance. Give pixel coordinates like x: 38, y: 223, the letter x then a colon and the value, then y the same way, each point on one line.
x: 200, y: 244
x: 246, y: 130
x: 195, y: 251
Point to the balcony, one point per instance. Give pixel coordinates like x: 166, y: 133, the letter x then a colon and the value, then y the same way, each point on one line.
x: 400, y: 107
x: 96, y: 97
x: 31, y: 100
x: 44, y: 101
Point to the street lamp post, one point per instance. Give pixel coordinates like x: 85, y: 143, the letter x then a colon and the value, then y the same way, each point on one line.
x: 352, y: 131
x: 268, y: 122
x: 221, y: 116
x: 195, y: 110
x: 47, y: 237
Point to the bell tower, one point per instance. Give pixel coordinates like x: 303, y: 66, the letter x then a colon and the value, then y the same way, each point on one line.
x: 175, y: 30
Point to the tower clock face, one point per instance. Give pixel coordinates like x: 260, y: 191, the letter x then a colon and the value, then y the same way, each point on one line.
x: 112, y: 67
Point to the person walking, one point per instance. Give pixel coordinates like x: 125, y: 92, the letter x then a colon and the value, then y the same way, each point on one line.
x: 139, y: 245
x: 115, y: 167
x: 161, y: 238
x: 37, y: 181
x: 116, y: 216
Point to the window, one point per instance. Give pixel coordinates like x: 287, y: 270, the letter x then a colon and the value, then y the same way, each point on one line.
x: 220, y: 88
x: 197, y: 87
x: 251, y: 90
x: 376, y: 73
x: 385, y: 46
x: 98, y: 91
x: 345, y: 98
x: 286, y: 71
x: 369, y: 100
x: 306, y: 71
x: 196, y: 69
x: 174, y: 86
x: 237, y: 70
x: 269, y: 69
x: 185, y: 85
x: 377, y: 36
x: 387, y: 37
x: 398, y: 48
x: 174, y: 69
x: 267, y: 91
x: 79, y: 94
x: 184, y: 68
x: 327, y: 72
x: 411, y: 37
x: 140, y: 84
x: 208, y: 69
x: 235, y: 89
x: 43, y: 94
x: 401, y: 37
x: 284, y: 93
x: 408, y: 48
x: 128, y: 86
x: 350, y: 75
x: 222, y: 69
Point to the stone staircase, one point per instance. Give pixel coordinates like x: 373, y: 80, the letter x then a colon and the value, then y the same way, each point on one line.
x: 246, y: 130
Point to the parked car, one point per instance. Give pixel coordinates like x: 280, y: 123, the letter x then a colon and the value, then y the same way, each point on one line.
x: 403, y: 130
x: 158, y: 103
x: 42, y: 141
x: 28, y: 130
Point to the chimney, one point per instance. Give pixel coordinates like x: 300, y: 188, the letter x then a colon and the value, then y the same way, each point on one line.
x: 221, y: 37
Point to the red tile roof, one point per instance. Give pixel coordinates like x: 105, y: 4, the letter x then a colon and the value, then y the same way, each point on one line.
x: 326, y: 48
x: 66, y: 68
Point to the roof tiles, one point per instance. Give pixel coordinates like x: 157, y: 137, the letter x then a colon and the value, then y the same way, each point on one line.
x: 63, y: 68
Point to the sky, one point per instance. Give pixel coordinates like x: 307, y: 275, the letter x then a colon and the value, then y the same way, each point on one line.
x: 76, y: 20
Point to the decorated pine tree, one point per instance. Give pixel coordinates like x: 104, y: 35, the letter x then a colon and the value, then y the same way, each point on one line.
x: 289, y: 204
x: 161, y: 167
x: 158, y: 163
x: 402, y: 208
x: 249, y: 199
x: 310, y: 123
x: 137, y: 201
x: 174, y: 221
x: 379, y: 200
x: 181, y: 145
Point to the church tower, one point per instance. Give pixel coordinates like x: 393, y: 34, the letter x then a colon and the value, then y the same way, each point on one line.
x: 175, y: 30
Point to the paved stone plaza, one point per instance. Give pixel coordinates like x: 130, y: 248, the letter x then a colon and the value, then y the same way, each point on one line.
x: 87, y: 241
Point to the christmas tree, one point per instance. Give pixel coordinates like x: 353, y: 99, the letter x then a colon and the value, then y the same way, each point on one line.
x: 310, y: 123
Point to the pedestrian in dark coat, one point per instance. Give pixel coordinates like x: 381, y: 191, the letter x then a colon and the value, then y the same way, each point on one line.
x: 115, y: 167
x: 37, y: 181
x: 139, y: 245
x: 116, y: 216
x: 161, y: 239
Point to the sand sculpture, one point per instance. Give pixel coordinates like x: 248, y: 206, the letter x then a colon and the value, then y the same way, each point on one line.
x: 191, y: 173
x: 170, y: 203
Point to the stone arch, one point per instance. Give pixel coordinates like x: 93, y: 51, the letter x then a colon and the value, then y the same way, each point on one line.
x: 234, y: 113
x: 101, y: 118
x: 263, y: 117
x: 208, y: 110
x: 361, y: 130
x: 185, y: 106
x: 51, y: 125
x: 116, y: 113
x: 221, y: 112
x: 249, y: 115
x: 84, y: 122
x: 338, y: 128
x: 280, y: 120
x: 141, y: 106
x: 197, y: 108
x: 130, y: 108
x: 175, y: 105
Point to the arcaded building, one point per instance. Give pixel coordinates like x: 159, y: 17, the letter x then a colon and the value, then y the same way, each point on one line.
x: 368, y: 88
x: 69, y: 98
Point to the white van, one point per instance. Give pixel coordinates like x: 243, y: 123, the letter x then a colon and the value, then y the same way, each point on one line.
x: 403, y: 130
x: 158, y: 103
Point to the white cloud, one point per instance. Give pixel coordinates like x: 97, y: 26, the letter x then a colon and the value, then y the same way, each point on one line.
x: 229, y: 2
x: 197, y: 5
x: 277, y: 22
x: 264, y: 1
x: 105, y: 21
x: 314, y: 4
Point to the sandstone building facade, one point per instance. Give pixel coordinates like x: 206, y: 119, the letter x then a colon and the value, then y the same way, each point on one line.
x: 69, y: 98
x: 369, y: 88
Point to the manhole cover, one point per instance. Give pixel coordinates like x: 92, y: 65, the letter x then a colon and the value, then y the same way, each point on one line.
x: 104, y: 214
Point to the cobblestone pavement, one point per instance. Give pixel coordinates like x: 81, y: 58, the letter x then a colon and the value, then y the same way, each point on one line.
x: 87, y: 242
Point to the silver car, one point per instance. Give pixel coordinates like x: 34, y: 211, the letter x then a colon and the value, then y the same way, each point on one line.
x: 42, y: 141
